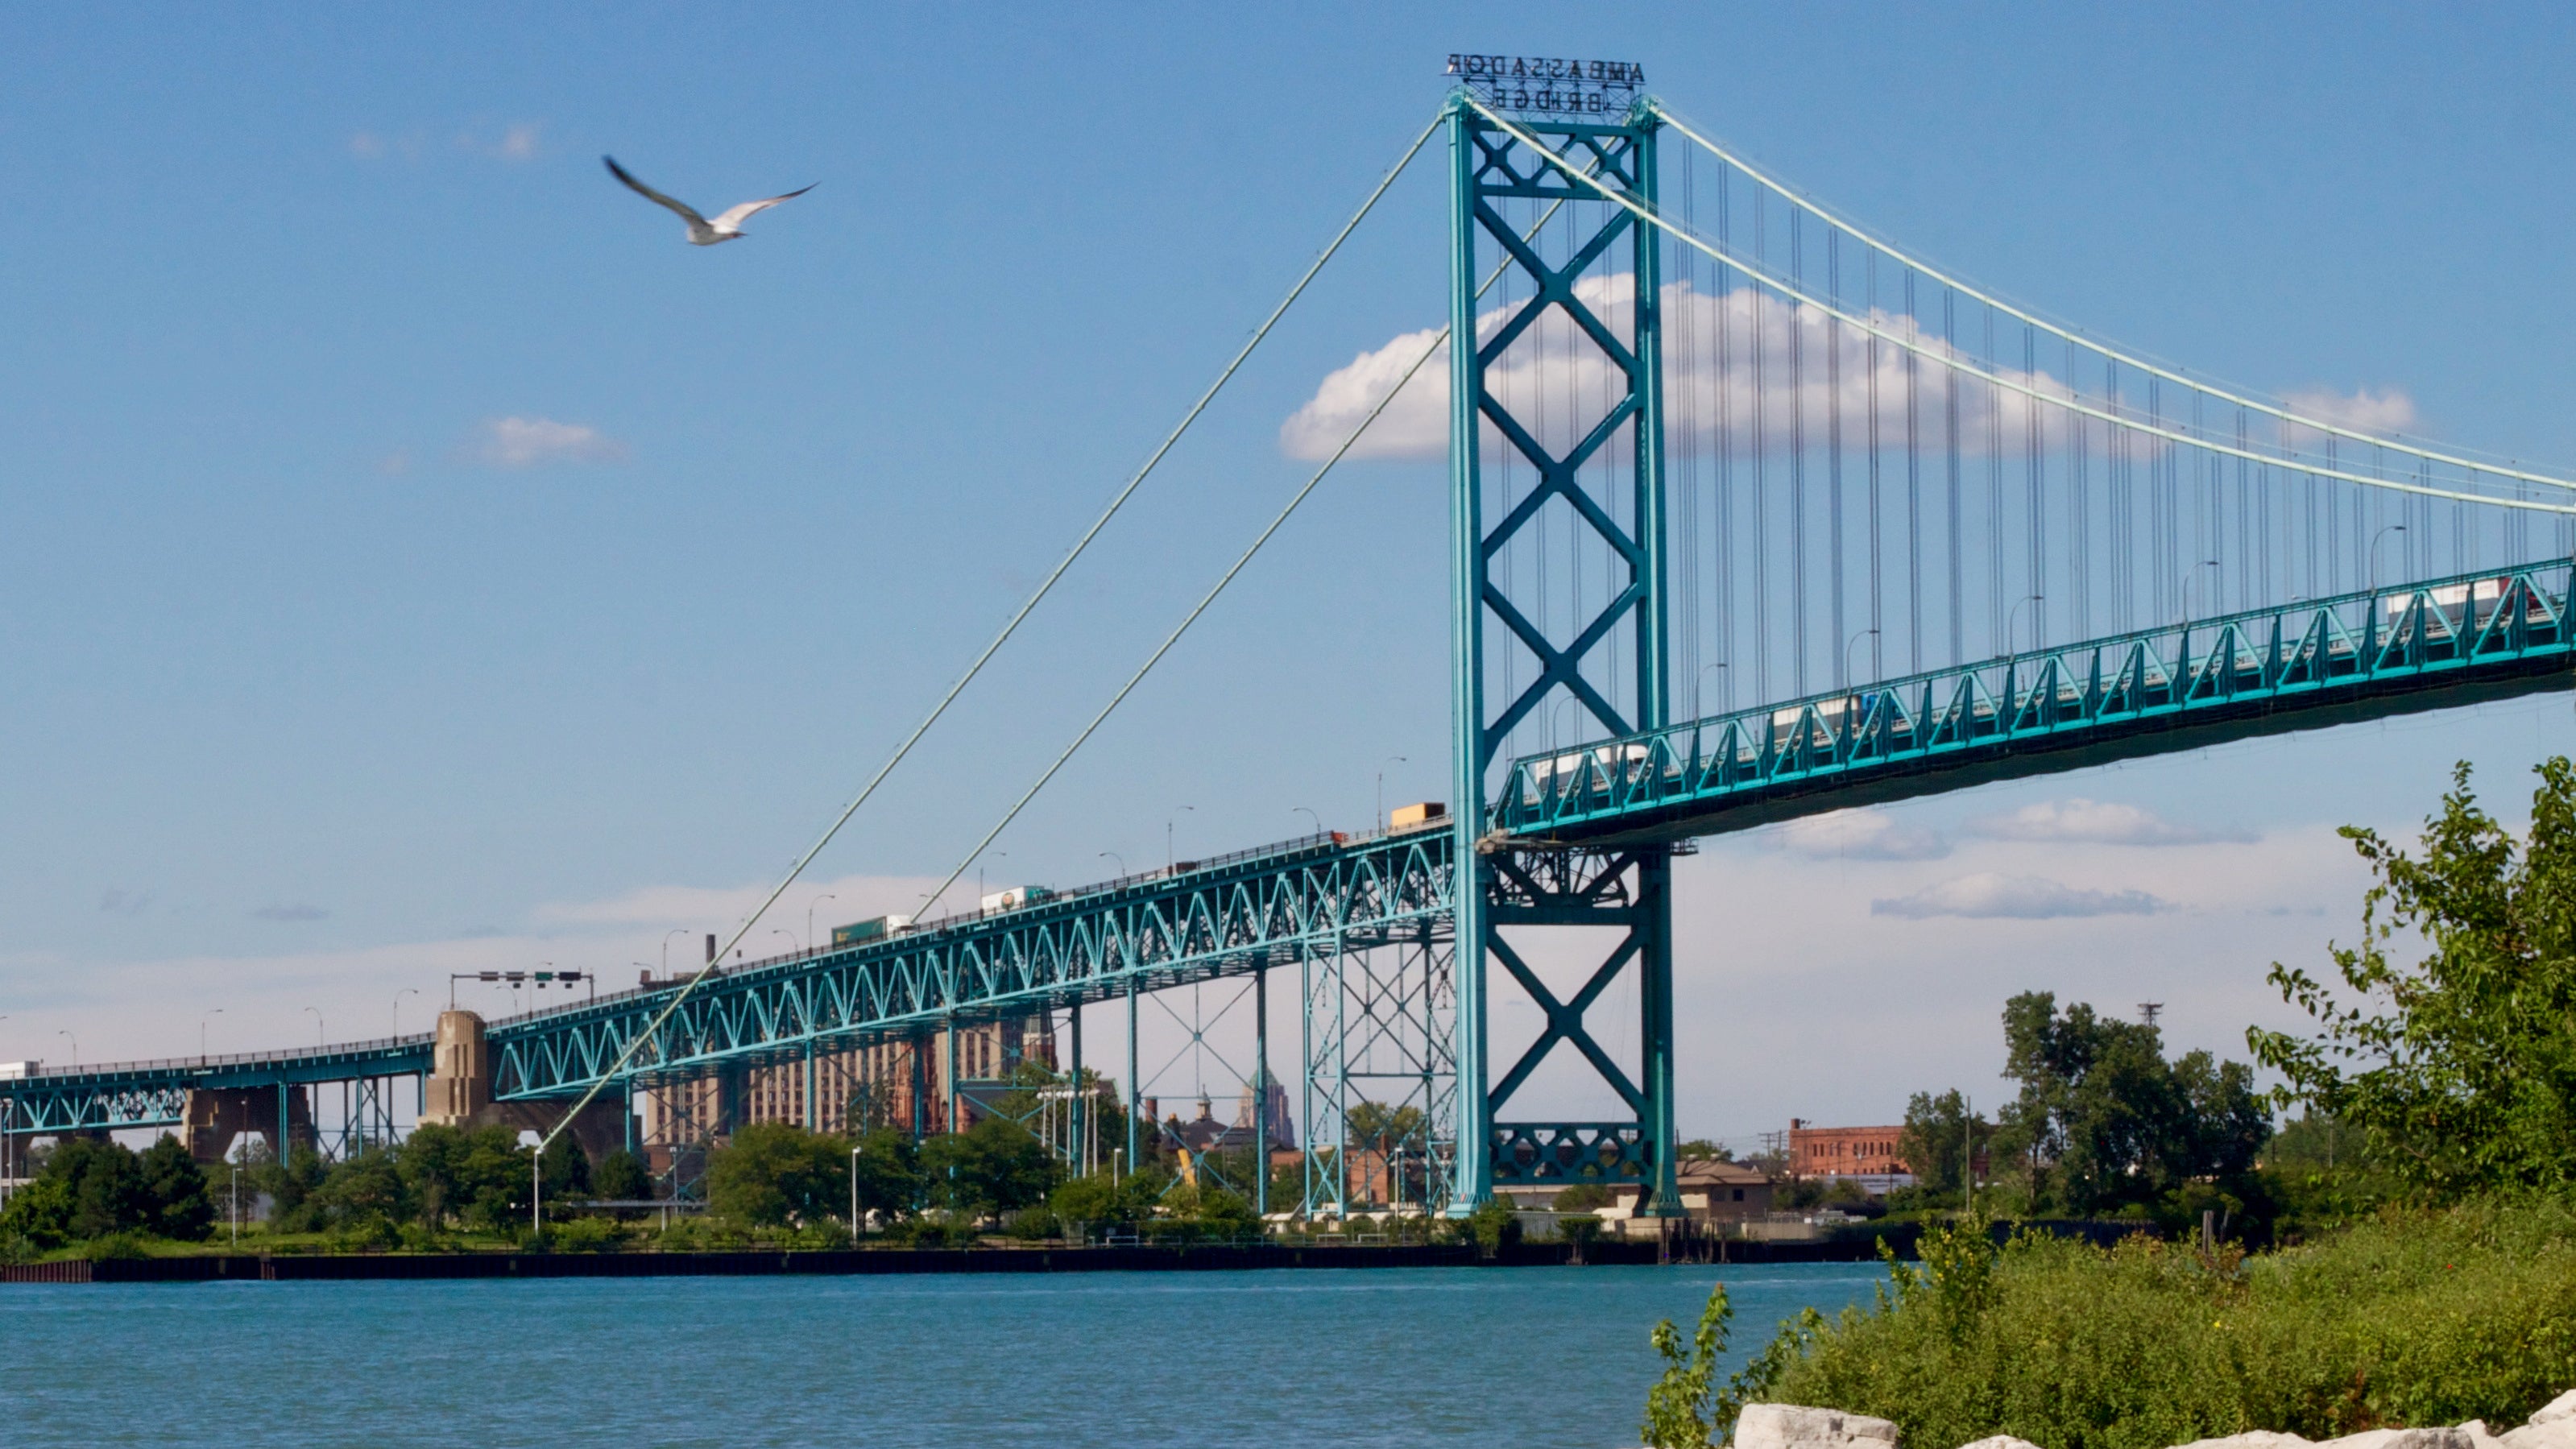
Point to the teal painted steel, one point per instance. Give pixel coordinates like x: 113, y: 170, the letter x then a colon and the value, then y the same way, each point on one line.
x: 1486, y: 166
x: 116, y: 1095
x: 1468, y: 754
x: 2380, y: 652
x: 1226, y: 917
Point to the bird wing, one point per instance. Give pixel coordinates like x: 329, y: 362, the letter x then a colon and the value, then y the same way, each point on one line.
x: 649, y: 194
x: 733, y: 219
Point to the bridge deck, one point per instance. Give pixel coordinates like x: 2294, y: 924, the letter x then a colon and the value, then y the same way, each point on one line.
x: 2306, y: 665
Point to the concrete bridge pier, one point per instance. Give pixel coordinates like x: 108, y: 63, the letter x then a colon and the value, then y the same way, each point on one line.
x: 459, y: 1094
x: 217, y: 1117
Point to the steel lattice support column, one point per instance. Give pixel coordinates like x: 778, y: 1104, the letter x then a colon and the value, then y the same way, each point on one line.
x: 1381, y: 1089
x: 1508, y: 886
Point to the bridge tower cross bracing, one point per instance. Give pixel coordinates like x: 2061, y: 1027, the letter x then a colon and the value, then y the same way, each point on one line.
x: 1531, y: 891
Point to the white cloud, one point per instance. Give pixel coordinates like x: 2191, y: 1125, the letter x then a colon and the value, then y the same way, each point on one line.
x: 1863, y: 835
x: 518, y: 143
x: 2388, y: 410
x: 2095, y: 822
x: 1555, y: 380
x: 1992, y: 896
x: 529, y: 442
x: 367, y: 146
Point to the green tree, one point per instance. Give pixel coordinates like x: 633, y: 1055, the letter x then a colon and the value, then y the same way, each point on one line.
x: 622, y: 1177
x: 431, y: 1166
x: 994, y: 1166
x: 368, y: 1186
x: 773, y: 1174
x: 2459, y: 1071
x: 2105, y: 1122
x: 888, y: 1164
x: 1096, y: 1203
x: 1381, y: 1128
x: 492, y: 1179
x: 105, y: 1183
x: 1936, y: 1143
x: 37, y: 1219
x: 567, y: 1168
x: 174, y: 1187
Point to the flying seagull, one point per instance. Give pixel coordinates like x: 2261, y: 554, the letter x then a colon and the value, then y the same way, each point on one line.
x: 702, y: 232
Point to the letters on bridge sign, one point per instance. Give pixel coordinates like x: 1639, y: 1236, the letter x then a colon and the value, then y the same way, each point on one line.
x: 1548, y: 85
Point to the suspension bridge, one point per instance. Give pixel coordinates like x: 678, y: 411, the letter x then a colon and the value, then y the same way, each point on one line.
x: 1753, y: 515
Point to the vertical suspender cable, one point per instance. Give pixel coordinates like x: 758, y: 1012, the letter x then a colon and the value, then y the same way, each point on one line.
x: 1913, y: 490
x: 1797, y: 460
x: 1954, y: 524
x: 1992, y: 399
x: 1681, y: 260
x: 1725, y: 540
x: 1835, y: 637
x: 2034, y: 467
x: 1761, y: 476
x: 1877, y: 571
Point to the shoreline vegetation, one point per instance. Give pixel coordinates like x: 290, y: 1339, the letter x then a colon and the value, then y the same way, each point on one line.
x: 2401, y: 1256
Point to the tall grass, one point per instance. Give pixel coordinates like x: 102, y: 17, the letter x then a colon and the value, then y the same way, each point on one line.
x: 2410, y: 1318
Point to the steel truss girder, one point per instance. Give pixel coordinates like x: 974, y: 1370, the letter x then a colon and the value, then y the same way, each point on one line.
x: 2380, y: 652
x: 1488, y: 165
x: 1223, y: 919
x: 112, y: 1096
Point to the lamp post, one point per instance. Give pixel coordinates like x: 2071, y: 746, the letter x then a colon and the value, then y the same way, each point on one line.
x: 854, y: 1192
x: 2012, y: 620
x: 398, y: 996
x: 1699, y: 689
x: 790, y: 935
x: 666, y: 946
x: 1309, y: 814
x: 2192, y: 576
x: 75, y: 1041
x: 809, y: 916
x: 201, y: 1033
x: 1855, y: 639
x: 320, y: 1035
x: 979, y: 873
x: 2374, y: 551
x: 1171, y: 858
x: 1380, y: 822
x: 1114, y: 858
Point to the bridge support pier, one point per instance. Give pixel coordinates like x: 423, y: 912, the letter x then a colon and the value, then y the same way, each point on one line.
x: 216, y: 1118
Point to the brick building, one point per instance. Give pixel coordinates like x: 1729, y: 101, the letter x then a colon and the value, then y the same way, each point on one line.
x: 1867, y: 1154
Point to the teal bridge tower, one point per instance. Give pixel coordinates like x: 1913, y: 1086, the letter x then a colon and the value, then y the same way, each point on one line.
x: 1598, y: 474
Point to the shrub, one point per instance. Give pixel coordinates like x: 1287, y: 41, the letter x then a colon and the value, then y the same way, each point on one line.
x: 2415, y: 1317
x: 1030, y: 1224
x: 585, y: 1235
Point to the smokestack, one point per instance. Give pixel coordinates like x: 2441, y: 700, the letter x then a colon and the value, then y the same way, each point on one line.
x: 711, y: 948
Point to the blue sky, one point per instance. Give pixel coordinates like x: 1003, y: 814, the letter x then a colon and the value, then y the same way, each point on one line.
x: 421, y: 560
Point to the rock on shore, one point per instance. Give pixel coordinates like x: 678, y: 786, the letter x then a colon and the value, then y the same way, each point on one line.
x: 1790, y: 1426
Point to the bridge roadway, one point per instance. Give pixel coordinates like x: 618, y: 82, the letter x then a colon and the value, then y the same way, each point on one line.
x: 2366, y: 655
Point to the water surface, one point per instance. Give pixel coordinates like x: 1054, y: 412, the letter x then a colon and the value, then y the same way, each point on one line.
x: 1280, y: 1359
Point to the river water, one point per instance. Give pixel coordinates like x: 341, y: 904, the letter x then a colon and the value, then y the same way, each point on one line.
x: 1499, y: 1358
